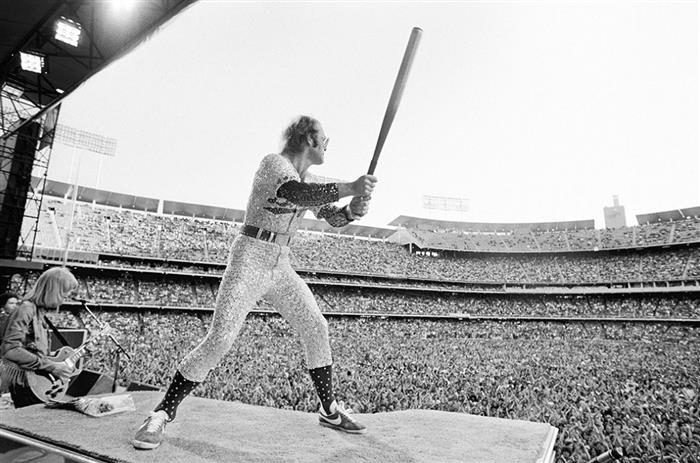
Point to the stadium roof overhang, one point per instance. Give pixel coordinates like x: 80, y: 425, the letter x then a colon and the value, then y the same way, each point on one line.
x: 352, y: 230
x: 419, y: 223
x: 667, y: 216
x: 201, y: 211
x: 107, y: 198
x: 107, y: 32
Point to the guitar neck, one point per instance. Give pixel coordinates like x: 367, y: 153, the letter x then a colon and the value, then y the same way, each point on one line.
x: 78, y: 352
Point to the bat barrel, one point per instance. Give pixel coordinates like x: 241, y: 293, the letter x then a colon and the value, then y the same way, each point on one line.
x: 396, y: 94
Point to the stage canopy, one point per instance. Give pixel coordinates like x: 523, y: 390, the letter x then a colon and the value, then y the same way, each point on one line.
x: 48, y: 47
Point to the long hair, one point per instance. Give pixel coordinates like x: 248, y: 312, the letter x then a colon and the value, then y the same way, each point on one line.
x: 52, y: 287
x: 295, y: 136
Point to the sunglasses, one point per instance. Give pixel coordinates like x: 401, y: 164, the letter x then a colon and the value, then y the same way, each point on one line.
x: 324, y: 142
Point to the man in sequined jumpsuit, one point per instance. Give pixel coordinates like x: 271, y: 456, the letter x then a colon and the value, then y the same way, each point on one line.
x: 259, y: 266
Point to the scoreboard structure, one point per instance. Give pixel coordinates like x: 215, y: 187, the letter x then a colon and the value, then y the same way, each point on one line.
x: 615, y: 214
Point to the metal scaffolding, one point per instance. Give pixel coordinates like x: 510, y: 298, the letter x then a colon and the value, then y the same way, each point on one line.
x: 40, y: 142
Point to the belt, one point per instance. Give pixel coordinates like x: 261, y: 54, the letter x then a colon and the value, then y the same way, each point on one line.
x: 266, y: 235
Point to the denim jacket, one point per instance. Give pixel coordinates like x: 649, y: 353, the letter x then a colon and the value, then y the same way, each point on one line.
x: 24, y: 344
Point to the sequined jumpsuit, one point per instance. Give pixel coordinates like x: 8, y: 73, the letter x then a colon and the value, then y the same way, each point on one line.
x: 257, y: 269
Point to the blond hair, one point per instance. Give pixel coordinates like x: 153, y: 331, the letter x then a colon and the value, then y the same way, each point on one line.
x: 296, y: 134
x: 52, y: 288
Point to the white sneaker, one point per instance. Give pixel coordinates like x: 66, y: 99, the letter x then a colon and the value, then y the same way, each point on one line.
x: 150, y: 434
x: 340, y: 419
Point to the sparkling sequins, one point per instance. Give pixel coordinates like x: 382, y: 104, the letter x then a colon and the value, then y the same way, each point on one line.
x: 309, y: 194
x: 255, y: 269
x: 333, y: 215
x: 271, y: 212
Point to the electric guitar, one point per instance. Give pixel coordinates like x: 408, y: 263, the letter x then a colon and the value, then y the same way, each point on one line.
x: 46, y: 386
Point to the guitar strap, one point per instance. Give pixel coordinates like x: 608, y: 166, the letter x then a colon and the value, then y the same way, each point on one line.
x: 55, y: 331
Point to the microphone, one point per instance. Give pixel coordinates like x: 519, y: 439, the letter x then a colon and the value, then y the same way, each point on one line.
x: 82, y: 301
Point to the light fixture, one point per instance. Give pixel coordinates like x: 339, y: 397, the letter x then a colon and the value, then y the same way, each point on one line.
x: 68, y: 31
x: 32, y: 62
x: 12, y: 90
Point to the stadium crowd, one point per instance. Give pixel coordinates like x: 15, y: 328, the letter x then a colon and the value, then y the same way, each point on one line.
x: 602, y: 385
x: 365, y: 258
x: 476, y: 269
x: 125, y: 232
x: 196, y: 293
x: 354, y: 255
x: 529, y: 240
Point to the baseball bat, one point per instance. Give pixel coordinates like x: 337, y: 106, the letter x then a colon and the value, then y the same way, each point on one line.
x: 396, y: 93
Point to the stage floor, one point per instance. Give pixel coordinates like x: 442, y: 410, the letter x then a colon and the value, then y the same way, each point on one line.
x: 208, y: 431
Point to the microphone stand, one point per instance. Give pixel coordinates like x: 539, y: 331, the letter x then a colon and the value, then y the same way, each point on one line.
x: 117, y: 356
x: 116, y: 352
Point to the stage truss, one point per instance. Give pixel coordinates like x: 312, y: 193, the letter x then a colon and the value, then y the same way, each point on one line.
x: 35, y: 175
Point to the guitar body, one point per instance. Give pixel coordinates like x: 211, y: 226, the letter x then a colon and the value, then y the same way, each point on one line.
x: 47, y: 387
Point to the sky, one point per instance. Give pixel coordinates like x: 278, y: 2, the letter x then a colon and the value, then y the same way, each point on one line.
x: 534, y: 111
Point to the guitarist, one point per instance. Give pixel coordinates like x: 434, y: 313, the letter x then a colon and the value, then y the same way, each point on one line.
x: 25, y: 342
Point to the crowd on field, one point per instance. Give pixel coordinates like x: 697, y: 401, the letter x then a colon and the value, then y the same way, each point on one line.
x: 602, y: 385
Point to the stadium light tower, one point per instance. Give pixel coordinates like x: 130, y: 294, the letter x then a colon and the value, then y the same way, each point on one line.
x: 88, y: 141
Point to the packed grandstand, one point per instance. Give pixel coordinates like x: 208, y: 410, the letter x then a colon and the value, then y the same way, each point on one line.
x: 593, y: 331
